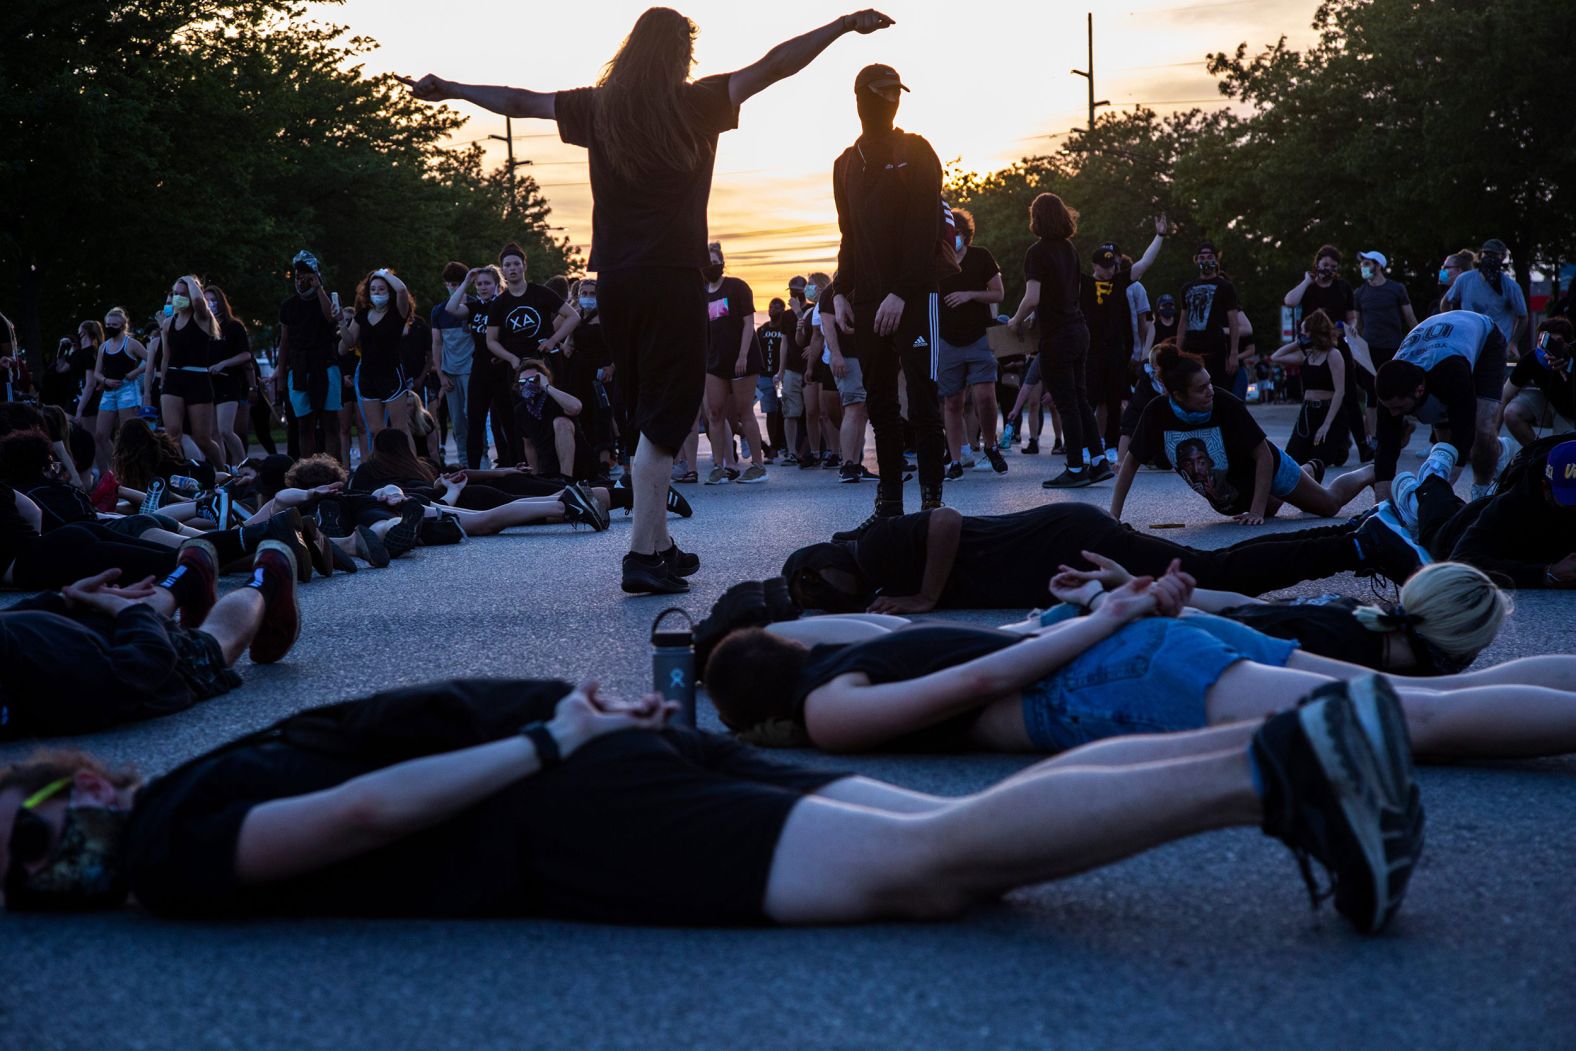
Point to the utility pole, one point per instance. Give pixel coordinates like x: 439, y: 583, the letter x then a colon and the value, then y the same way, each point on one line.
x: 1088, y: 74
x: 507, y: 138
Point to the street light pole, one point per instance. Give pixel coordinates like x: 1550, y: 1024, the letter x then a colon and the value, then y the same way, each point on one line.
x: 507, y: 138
x: 1088, y: 74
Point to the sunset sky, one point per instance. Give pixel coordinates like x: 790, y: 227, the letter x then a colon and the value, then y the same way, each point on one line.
x: 988, y: 89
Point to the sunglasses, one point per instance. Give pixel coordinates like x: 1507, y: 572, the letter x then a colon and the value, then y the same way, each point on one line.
x: 30, y: 834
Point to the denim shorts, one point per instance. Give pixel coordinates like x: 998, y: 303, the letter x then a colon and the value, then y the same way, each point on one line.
x: 1149, y: 676
x: 126, y: 396
x: 766, y: 391
x: 1287, y: 475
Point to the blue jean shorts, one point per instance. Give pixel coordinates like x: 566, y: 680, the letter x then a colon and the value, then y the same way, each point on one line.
x: 333, y: 398
x: 766, y: 391
x: 126, y: 396
x: 1287, y: 475
x: 1150, y: 676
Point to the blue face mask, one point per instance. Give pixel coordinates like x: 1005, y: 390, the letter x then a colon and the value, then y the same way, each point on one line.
x: 1444, y: 277
x: 958, y: 242
x: 588, y: 302
x: 1190, y: 418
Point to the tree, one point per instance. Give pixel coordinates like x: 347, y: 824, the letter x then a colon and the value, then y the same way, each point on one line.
x: 146, y: 140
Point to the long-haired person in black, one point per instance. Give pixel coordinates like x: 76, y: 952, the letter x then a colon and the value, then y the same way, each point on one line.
x: 231, y: 371
x: 382, y: 304
x: 1321, y: 432
x: 1051, y: 293
x: 186, y: 331
x: 652, y: 136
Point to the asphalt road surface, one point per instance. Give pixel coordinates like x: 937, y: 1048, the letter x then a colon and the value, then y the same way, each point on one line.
x: 1207, y: 943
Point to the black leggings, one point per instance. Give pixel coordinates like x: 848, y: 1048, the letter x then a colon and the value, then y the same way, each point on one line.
x: 1063, y: 359
x: 1251, y: 567
x: 490, y: 391
x: 65, y: 555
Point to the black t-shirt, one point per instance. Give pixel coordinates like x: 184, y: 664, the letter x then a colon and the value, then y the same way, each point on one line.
x: 1558, y: 387
x: 1326, y: 626
x: 966, y: 325
x: 533, y: 418
x: 1214, y: 458
x: 794, y: 362
x: 1337, y: 301
x: 232, y: 341
x: 477, y: 325
x: 655, y: 217
x: 729, y: 309
x: 313, y: 338
x: 1054, y: 264
x: 908, y: 653
x: 1110, y: 316
x: 552, y: 843
x: 380, y: 345
x: 1204, y: 307
x: 524, y: 320
x: 415, y: 346
x: 1002, y: 561
x: 770, y: 338
x: 61, y: 503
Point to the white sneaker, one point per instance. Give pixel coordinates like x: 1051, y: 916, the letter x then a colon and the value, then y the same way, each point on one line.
x: 1507, y: 449
x: 1403, y: 495
x: 1441, y: 463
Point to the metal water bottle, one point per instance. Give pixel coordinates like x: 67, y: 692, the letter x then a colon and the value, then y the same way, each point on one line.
x: 673, y: 664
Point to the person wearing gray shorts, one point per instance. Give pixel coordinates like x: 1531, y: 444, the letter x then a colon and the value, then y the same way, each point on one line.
x: 965, y: 365
x: 850, y: 379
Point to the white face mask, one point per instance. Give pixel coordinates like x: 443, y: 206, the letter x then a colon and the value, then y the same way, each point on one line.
x: 380, y: 300
x: 811, y: 293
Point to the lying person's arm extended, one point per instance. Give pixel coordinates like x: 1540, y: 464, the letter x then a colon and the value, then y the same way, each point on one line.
x: 288, y: 837
x: 943, y: 532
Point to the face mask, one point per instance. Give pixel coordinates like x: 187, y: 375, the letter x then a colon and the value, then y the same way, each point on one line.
x: 1325, y: 275
x: 811, y: 293
x: 712, y: 272
x: 588, y: 302
x: 1304, y: 341
x: 1444, y: 277
x: 87, y: 870
x: 1191, y: 418
x: 380, y: 300
x: 1208, y: 267
x: 1368, y: 273
x: 112, y: 330
x: 181, y: 303
x: 957, y: 242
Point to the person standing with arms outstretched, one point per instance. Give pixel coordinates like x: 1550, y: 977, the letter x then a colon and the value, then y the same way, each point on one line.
x: 652, y: 136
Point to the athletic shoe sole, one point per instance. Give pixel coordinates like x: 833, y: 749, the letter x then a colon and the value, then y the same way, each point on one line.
x: 199, y: 558
x: 580, y: 506
x: 1368, y: 891
x: 371, y: 548
x: 678, y: 505
x: 318, y: 548
x: 653, y: 580
x: 1064, y: 482
x: 281, y: 624
x: 746, y: 479
x: 406, y: 533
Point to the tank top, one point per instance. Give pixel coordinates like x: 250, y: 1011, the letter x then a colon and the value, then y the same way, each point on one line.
x: 1318, y: 377
x: 188, y: 347
x: 118, y: 363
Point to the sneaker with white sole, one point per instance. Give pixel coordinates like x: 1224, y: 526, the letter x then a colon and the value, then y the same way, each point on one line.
x: 1403, y: 497
x: 1440, y: 462
x: 1388, y: 545
x: 754, y: 474
x: 718, y: 476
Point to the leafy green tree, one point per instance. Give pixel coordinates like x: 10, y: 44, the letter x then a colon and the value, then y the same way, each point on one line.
x: 145, y: 140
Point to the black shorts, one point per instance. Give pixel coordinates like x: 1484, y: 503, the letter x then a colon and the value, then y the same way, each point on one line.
x: 724, y: 370
x: 200, y: 663
x: 655, y: 322
x: 194, y: 388
x: 1488, y: 373
x: 227, y: 387
x: 672, y: 828
x: 1143, y: 394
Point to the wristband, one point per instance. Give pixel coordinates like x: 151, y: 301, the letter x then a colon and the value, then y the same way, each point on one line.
x: 548, y: 754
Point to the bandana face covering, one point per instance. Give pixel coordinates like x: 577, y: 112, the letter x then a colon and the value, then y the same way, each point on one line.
x: 86, y: 871
x: 1191, y: 418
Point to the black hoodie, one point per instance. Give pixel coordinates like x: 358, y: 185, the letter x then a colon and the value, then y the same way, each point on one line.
x: 888, y: 194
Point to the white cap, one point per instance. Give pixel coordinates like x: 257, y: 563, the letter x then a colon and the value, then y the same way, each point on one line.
x: 1377, y: 257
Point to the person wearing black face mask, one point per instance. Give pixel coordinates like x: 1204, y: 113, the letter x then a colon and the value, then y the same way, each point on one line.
x: 308, y: 368
x: 1165, y: 319
x: 887, y: 187
x: 1322, y: 288
x: 1489, y: 290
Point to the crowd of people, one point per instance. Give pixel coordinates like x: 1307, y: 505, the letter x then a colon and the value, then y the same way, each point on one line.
x: 1173, y: 700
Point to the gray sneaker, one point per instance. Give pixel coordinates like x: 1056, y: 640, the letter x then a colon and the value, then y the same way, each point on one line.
x: 718, y: 476
x: 753, y: 475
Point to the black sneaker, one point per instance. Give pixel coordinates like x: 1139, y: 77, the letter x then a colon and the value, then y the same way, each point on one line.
x: 810, y: 463
x: 929, y: 498
x: 649, y: 575
x: 998, y: 462
x: 580, y: 506
x: 441, y: 531
x: 406, y: 533
x: 677, y: 504
x: 833, y: 462
x: 1387, y: 547
x: 1068, y: 479
x: 850, y: 473
x: 1330, y: 796
x: 1033, y: 448
x: 883, y: 509
x: 370, y: 547
x: 1100, y: 470
x: 331, y: 517
x: 319, y: 548
x: 285, y: 527
x: 344, y: 562
x: 680, y: 563
x: 954, y: 471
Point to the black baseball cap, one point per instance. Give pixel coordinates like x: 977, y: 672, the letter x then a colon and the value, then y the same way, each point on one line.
x: 1107, y: 254
x: 1207, y: 246
x: 1167, y: 300
x: 878, y: 78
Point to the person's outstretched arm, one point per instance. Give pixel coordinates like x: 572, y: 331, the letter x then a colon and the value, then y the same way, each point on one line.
x: 943, y: 532
x: 289, y: 837
x: 789, y: 57
x: 510, y: 102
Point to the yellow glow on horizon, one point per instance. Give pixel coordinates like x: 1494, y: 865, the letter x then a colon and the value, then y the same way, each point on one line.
x: 986, y: 91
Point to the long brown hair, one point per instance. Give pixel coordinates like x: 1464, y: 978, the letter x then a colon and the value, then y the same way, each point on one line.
x: 1051, y: 219
x: 392, y: 460
x: 142, y: 454
x: 641, y: 118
